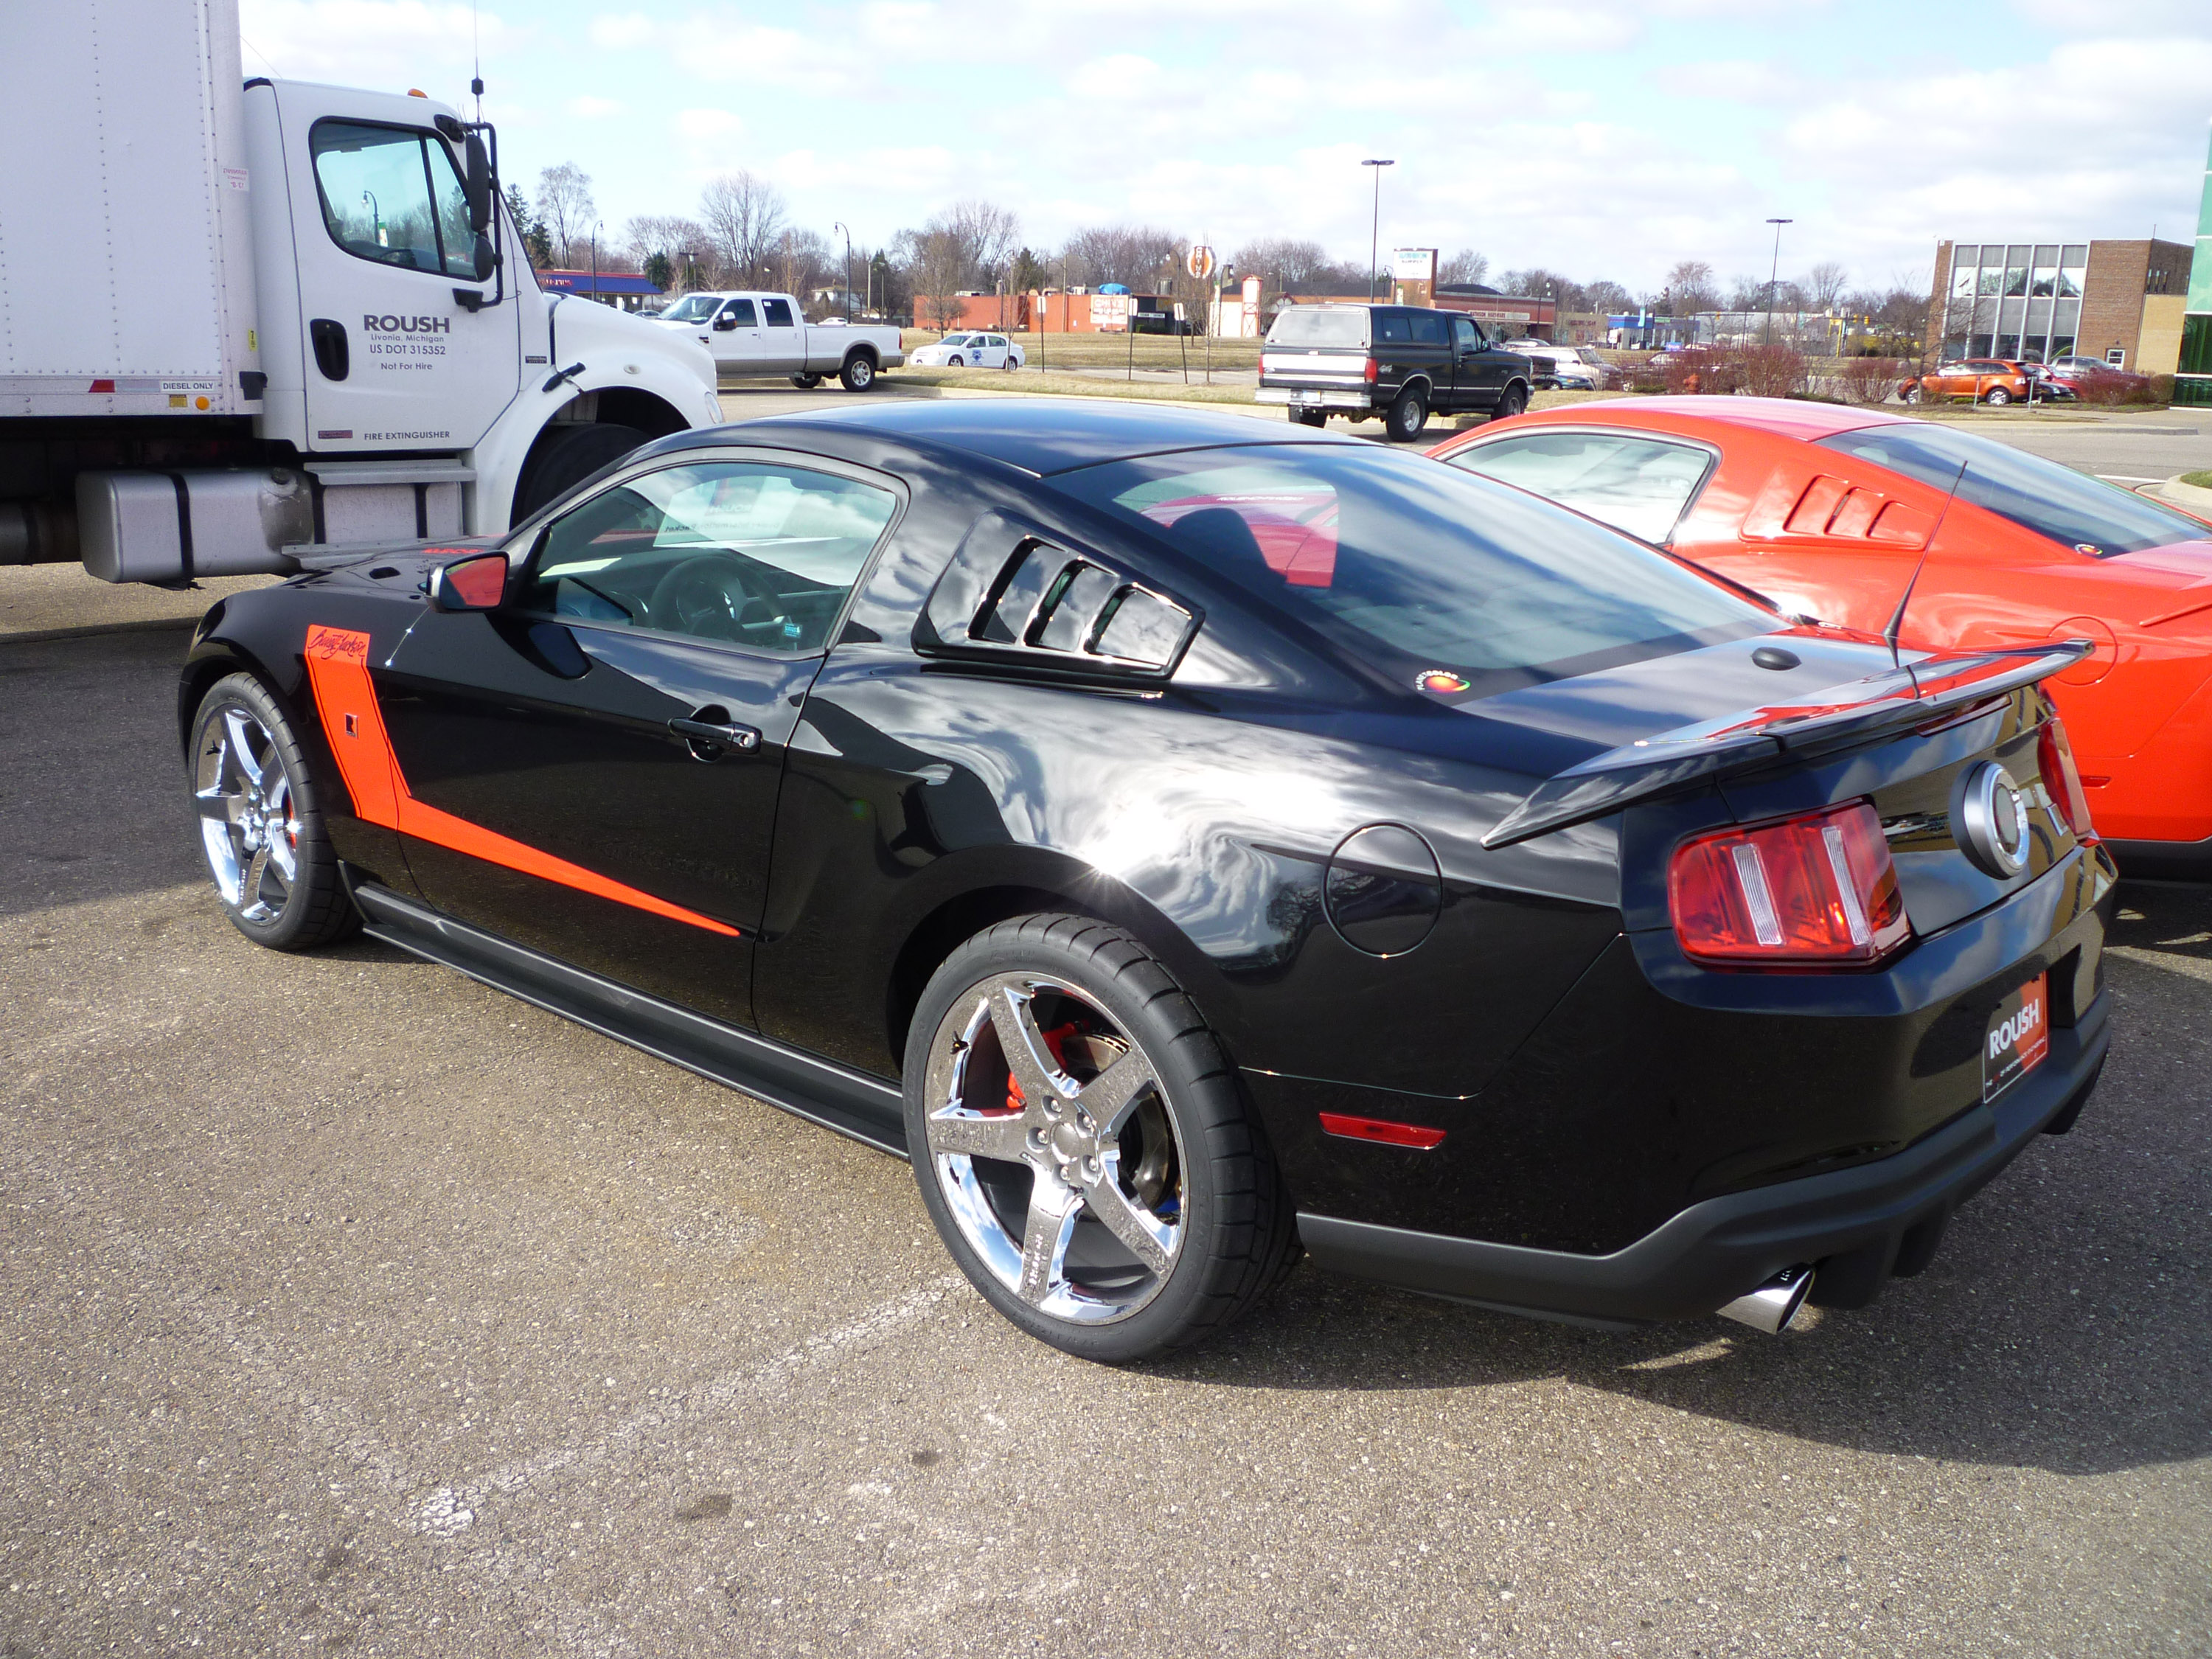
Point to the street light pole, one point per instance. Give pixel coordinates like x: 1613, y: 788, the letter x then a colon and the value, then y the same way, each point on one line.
x: 1774, y: 274
x: 1375, y: 228
x: 597, y: 226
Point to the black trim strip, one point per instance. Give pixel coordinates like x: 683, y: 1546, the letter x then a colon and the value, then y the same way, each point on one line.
x: 868, y: 1110
x: 423, y: 511
x: 187, y: 571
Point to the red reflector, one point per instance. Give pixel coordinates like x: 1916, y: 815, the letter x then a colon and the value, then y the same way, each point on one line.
x: 2062, y: 779
x: 1817, y: 889
x: 103, y: 386
x: 1376, y: 1129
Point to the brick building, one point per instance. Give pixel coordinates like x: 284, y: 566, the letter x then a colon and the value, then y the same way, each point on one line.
x: 2039, y: 302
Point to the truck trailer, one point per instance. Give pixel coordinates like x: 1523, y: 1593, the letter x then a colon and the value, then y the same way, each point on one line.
x: 252, y: 326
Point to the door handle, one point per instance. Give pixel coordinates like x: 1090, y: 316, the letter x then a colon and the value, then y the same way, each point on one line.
x: 717, y: 736
x: 328, y: 335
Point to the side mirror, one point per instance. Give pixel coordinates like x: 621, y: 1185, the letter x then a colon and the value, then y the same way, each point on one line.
x: 478, y: 583
x: 487, y: 257
x: 478, y: 185
x: 725, y: 322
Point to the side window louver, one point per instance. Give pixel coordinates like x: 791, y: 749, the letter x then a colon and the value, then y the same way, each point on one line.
x: 1010, y: 594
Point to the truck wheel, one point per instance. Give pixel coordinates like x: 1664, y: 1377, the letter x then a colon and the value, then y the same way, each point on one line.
x: 1082, y: 1147
x: 1511, y: 402
x: 859, y: 373
x: 806, y: 382
x: 1310, y: 417
x: 261, y: 822
x: 1408, y: 416
x: 567, y: 456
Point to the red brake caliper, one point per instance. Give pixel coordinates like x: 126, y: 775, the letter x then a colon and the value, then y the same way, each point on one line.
x: 1054, y: 1040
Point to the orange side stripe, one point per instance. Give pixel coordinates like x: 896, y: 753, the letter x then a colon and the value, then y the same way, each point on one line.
x: 337, y: 672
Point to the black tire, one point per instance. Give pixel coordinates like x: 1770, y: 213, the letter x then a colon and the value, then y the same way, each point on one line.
x: 1010, y: 364
x: 1409, y: 414
x: 859, y: 373
x: 1511, y: 402
x: 565, y: 458
x: 1235, y: 1232
x: 954, y: 363
x: 1913, y: 394
x: 806, y: 382
x: 1310, y: 417
x: 1997, y: 397
x: 243, y: 836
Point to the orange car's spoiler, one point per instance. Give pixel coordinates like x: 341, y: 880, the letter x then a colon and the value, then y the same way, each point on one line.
x: 1846, y: 716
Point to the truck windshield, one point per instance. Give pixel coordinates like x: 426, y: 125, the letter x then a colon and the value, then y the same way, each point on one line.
x: 2070, y: 508
x: 692, y: 308
x: 1448, y: 582
x: 1319, y: 326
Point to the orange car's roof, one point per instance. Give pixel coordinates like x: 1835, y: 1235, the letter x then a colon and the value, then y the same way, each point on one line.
x: 1785, y: 417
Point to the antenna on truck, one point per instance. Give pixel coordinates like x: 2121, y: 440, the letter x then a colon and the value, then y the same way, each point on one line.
x: 475, y: 54
x: 1897, y: 623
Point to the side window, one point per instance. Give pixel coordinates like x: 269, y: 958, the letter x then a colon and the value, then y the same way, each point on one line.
x: 1391, y: 328
x: 778, y: 313
x: 392, y: 195
x: 736, y: 551
x: 1641, y: 485
x: 1428, y: 328
x: 740, y: 313
x: 1465, y: 335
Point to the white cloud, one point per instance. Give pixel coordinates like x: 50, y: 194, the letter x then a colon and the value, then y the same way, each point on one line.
x: 385, y: 45
x: 619, y: 30
x: 592, y: 109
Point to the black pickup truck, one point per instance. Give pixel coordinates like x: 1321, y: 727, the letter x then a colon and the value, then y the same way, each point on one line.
x: 1401, y: 361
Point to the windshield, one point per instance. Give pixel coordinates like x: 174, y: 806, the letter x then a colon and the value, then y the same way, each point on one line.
x: 1449, y: 583
x: 2070, y: 508
x: 1320, y: 326
x: 692, y: 308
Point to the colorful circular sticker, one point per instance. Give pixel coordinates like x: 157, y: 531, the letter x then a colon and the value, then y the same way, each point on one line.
x: 1442, y: 681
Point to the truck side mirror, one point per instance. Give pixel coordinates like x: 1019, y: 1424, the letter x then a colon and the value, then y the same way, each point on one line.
x: 487, y: 257
x: 473, y: 584
x: 478, y: 188
x: 726, y: 321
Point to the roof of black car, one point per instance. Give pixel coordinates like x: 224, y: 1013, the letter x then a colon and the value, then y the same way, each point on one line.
x: 1050, y: 435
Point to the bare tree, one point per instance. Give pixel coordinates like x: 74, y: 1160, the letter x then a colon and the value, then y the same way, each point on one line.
x: 742, y: 215
x: 1824, y: 284
x: 666, y: 234
x: 1693, y: 288
x: 1130, y: 254
x: 565, y: 210
x: 1280, y: 262
x: 1466, y: 266
x: 986, y: 234
x: 1604, y: 296
x: 1747, y: 293
x: 933, y: 265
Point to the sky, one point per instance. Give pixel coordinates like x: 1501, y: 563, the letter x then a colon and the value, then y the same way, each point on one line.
x: 1604, y: 139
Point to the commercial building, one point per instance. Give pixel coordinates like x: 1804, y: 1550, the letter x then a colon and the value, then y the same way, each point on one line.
x: 625, y: 290
x: 2193, y: 382
x: 2038, y: 301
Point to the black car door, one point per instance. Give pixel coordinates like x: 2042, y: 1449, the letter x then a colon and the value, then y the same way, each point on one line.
x: 1478, y: 374
x: 596, y: 764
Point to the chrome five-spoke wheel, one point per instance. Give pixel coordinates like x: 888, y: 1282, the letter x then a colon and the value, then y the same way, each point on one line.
x: 247, y: 823
x: 1054, y: 1149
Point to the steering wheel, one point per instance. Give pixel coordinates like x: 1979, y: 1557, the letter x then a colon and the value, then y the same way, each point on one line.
x: 708, y: 596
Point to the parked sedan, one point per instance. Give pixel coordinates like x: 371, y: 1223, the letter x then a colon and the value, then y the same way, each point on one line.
x: 1978, y: 379
x: 1864, y: 519
x: 980, y: 350
x: 1575, y: 369
x: 1184, y: 840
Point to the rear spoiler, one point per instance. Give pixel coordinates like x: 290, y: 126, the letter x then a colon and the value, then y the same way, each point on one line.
x: 1853, y: 713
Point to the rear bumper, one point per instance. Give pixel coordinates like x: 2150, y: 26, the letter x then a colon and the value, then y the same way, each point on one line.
x: 1861, y: 1225
x: 2163, y: 861
x: 1319, y: 397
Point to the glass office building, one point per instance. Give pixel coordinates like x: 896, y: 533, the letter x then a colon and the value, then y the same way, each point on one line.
x: 2018, y: 301
x: 2192, y: 384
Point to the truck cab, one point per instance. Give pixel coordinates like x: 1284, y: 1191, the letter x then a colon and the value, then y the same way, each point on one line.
x: 310, y: 330
x: 1402, y: 362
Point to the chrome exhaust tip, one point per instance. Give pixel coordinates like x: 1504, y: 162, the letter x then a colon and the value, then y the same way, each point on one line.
x: 1773, y: 1304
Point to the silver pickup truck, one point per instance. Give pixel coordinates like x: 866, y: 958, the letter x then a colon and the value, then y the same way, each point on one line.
x: 754, y: 333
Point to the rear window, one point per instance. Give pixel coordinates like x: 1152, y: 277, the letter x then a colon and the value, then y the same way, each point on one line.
x: 2070, y: 508
x: 1443, y: 580
x: 1318, y: 327
x: 1633, y: 483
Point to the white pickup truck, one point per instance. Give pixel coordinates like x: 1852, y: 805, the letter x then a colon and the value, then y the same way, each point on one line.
x: 752, y: 333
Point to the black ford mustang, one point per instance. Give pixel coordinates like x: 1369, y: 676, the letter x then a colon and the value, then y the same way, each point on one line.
x: 1190, y: 841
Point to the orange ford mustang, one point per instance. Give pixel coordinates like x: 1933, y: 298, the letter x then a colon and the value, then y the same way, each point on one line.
x: 1842, y: 515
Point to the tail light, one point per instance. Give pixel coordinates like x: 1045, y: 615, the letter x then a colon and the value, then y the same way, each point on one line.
x: 2062, y: 779
x: 1818, y: 890
x: 1374, y: 371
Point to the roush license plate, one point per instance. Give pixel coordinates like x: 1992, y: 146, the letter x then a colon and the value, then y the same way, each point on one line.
x: 2019, y: 1038
x: 1305, y: 396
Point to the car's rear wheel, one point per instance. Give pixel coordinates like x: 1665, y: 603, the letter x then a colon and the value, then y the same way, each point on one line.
x: 261, y: 823
x: 1082, y: 1145
x: 859, y: 373
x: 1408, y: 416
x: 1511, y: 402
x: 1998, y: 396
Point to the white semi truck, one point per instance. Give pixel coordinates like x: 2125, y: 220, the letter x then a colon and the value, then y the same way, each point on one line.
x: 247, y: 324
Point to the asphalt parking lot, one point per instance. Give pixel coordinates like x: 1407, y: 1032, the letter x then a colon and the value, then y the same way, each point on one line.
x: 349, y: 1305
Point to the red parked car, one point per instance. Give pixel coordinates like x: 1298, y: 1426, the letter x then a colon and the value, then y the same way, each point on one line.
x: 1865, y: 520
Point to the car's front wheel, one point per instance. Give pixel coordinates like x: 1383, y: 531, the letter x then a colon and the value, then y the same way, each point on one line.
x: 261, y: 823
x: 1011, y: 363
x: 1082, y: 1145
